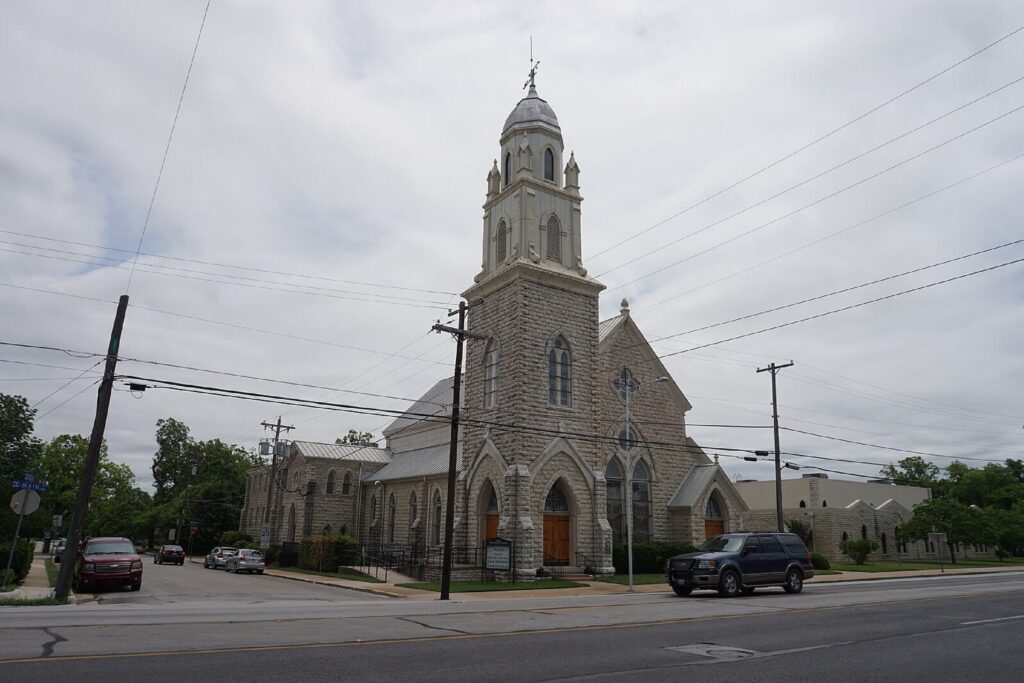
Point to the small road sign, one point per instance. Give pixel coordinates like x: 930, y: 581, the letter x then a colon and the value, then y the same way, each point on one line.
x: 25, y: 502
x: 30, y: 484
x: 264, y: 537
x: 58, y: 521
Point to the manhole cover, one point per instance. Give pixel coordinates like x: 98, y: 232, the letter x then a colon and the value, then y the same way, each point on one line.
x: 722, y: 653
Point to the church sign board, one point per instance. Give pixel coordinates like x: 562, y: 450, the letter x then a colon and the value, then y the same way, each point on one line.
x: 498, y: 555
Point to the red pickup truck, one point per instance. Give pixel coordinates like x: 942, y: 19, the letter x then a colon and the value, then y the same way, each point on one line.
x: 108, y: 562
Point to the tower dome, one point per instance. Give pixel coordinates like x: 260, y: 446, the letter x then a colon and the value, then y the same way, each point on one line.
x: 531, y: 112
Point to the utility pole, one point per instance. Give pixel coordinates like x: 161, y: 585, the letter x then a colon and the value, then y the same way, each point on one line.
x: 774, y: 369
x: 92, y: 459
x: 460, y: 334
x: 278, y: 428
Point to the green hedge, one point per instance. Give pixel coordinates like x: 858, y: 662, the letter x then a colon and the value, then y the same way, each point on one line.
x: 648, y: 556
x: 22, y: 561
x: 237, y: 539
x: 819, y: 561
x: 325, y: 552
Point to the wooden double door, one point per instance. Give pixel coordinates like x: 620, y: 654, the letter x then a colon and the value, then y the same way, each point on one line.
x: 557, y: 540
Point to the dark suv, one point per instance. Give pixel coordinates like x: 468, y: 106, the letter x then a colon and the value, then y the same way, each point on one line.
x: 739, y: 563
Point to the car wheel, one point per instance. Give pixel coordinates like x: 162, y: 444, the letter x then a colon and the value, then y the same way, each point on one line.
x: 259, y: 571
x: 681, y: 591
x: 729, y: 584
x: 206, y: 564
x: 137, y: 585
x: 794, y: 581
x: 747, y: 590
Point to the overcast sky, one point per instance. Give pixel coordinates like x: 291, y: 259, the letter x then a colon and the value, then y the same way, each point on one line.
x: 339, y: 151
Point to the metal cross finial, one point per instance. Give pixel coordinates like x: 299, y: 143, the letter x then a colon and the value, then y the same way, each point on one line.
x: 533, y: 67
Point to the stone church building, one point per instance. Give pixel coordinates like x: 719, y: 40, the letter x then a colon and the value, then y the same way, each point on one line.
x: 545, y: 438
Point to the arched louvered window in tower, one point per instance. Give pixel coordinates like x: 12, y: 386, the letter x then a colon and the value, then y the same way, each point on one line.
x: 501, y: 248
x: 554, y: 247
x: 549, y: 165
x: 492, y: 371
x: 559, y: 373
x: 508, y: 168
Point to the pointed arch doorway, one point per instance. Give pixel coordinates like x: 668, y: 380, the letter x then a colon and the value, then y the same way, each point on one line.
x: 557, y: 527
x: 490, y: 512
x: 714, y: 521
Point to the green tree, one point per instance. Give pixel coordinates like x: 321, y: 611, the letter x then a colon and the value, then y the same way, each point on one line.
x: 960, y: 523
x: 801, y: 529
x: 993, y: 485
x: 19, y: 450
x: 912, y: 471
x: 355, y: 438
x: 858, y: 550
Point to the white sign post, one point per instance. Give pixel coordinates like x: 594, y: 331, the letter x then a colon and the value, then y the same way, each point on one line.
x: 24, y: 502
x: 264, y: 538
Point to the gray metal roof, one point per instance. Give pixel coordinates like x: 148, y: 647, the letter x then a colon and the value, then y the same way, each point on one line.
x: 531, y: 110
x: 333, y: 451
x: 696, y: 482
x: 605, y: 327
x: 437, y: 402
x: 419, y: 462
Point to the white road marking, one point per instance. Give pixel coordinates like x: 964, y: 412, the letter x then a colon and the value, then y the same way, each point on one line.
x: 989, y: 621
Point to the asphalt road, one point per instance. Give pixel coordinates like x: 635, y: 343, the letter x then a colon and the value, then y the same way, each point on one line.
x: 173, y: 584
x: 951, y: 628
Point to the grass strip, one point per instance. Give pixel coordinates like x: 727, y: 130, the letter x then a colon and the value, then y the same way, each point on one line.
x: 51, y: 572
x: 29, y: 602
x: 638, y: 579
x: 350, y: 575
x: 911, y: 565
x: 480, y: 587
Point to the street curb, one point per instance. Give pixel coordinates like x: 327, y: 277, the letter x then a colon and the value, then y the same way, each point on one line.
x: 882, y: 576
x: 360, y: 589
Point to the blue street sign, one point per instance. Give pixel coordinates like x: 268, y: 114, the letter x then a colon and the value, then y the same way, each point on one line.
x: 29, y: 476
x: 29, y: 484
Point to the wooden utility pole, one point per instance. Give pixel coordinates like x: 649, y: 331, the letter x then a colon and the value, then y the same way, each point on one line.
x: 92, y: 459
x: 774, y: 369
x: 460, y: 335
x: 278, y: 428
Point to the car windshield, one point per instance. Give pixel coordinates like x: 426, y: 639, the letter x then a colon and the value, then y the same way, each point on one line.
x: 109, y: 548
x: 728, y: 544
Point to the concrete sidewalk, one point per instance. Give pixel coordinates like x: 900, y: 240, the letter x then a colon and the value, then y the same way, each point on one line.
x: 36, y: 584
x: 390, y: 589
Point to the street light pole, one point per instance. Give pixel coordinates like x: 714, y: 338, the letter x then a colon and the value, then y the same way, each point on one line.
x: 630, y: 386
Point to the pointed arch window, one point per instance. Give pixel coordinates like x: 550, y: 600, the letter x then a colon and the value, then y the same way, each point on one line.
x: 492, y: 371
x: 641, y: 503
x: 346, y: 484
x: 435, y: 527
x: 614, y: 500
x: 373, y: 510
x: 627, y: 439
x: 392, y: 508
x: 491, y: 506
x: 559, y: 373
x: 412, y: 509
x: 508, y: 168
x: 549, y: 165
x: 713, y: 510
x: 556, y: 500
x: 501, y: 248
x: 554, y: 234
x: 330, y: 481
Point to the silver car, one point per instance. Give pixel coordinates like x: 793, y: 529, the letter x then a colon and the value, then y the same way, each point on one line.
x: 217, y: 558
x: 246, y: 561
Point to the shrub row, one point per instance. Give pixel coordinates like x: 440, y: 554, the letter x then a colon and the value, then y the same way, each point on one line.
x: 326, y: 552
x: 648, y: 556
x: 819, y: 561
x: 22, y: 560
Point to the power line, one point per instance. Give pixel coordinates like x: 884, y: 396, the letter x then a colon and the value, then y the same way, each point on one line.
x: 69, y: 399
x: 885, y: 448
x: 38, y: 365
x: 843, y: 290
x: 813, y: 142
x: 167, y: 147
x: 64, y: 386
x: 817, y: 201
x: 228, y: 265
x: 433, y: 305
x: 843, y: 309
x: 848, y: 228
x: 810, y: 179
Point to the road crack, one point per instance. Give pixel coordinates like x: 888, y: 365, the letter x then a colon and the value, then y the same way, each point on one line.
x: 48, y: 646
x: 435, y: 628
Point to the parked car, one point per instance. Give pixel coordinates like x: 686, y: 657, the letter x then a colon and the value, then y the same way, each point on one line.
x: 245, y: 560
x: 57, y: 550
x: 216, y: 558
x: 107, y: 562
x: 739, y: 563
x: 174, y: 554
